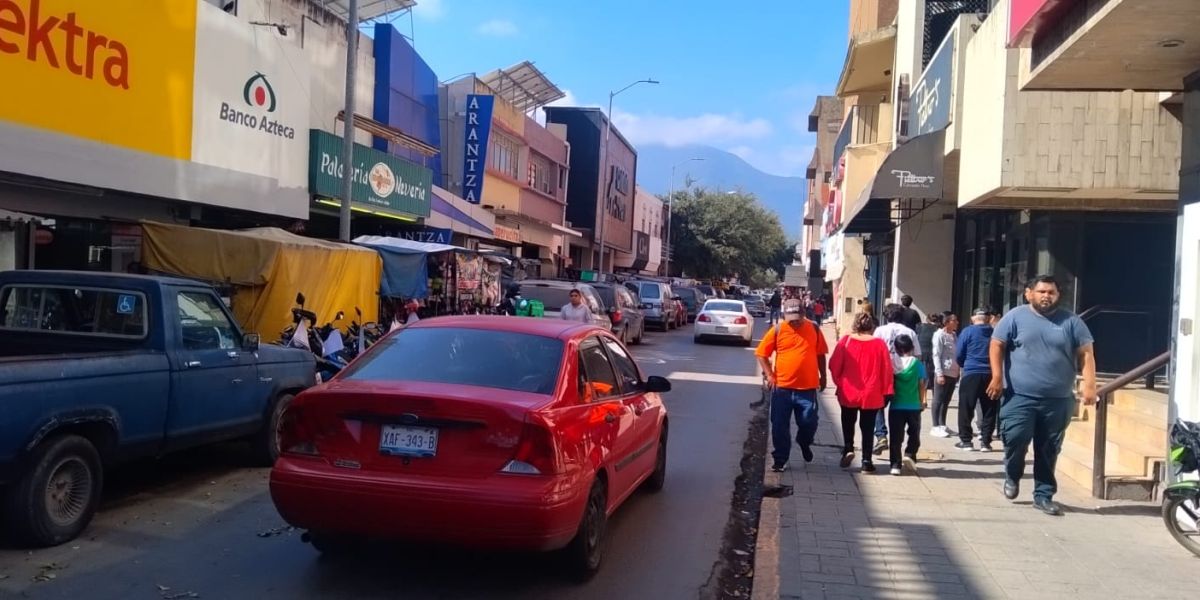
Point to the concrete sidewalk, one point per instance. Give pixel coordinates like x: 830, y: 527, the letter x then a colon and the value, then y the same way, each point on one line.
x: 947, y: 531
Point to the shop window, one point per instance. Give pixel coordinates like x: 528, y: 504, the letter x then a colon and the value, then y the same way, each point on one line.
x: 110, y: 313
x: 504, y: 154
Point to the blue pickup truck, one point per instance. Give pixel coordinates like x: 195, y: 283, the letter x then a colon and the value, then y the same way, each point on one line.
x: 99, y: 368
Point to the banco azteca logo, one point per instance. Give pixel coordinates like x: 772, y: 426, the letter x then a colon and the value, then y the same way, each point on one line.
x: 259, y: 93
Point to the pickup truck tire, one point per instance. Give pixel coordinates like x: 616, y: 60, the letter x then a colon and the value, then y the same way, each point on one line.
x: 58, y: 495
x: 265, y: 443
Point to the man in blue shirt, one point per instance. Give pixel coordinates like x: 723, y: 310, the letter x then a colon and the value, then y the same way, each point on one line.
x: 1033, y: 355
x: 971, y: 353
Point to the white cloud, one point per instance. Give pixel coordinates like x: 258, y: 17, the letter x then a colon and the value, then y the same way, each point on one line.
x: 709, y: 128
x: 743, y: 152
x: 787, y: 160
x: 498, y: 28
x: 430, y: 10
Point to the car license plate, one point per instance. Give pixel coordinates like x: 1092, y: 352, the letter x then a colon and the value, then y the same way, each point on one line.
x: 722, y: 330
x: 398, y: 440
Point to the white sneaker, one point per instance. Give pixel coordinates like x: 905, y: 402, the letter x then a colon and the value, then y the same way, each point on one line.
x: 939, y: 432
x: 895, y: 470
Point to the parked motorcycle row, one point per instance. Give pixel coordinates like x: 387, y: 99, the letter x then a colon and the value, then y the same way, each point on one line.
x: 332, y: 348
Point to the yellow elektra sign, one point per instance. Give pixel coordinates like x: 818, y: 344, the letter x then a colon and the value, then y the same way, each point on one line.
x: 117, y: 72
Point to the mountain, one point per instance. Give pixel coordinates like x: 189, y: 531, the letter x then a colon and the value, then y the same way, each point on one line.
x: 722, y: 170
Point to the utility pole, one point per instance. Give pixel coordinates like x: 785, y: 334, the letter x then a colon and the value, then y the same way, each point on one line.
x: 670, y: 210
x: 348, y: 121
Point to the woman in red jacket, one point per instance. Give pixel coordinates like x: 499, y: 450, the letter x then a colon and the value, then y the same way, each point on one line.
x: 861, y: 367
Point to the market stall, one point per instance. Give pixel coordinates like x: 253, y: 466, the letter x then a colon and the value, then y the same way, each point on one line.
x: 447, y: 279
x: 266, y: 267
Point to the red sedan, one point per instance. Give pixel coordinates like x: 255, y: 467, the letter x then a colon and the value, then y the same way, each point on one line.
x: 484, y: 432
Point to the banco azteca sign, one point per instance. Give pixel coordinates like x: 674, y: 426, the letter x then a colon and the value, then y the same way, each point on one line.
x: 259, y: 98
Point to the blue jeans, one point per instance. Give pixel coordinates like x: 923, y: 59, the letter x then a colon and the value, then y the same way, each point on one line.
x: 774, y: 315
x: 784, y: 403
x: 1042, y: 421
x: 881, y: 427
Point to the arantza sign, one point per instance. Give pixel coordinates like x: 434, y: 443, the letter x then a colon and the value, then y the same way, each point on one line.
x: 62, y: 41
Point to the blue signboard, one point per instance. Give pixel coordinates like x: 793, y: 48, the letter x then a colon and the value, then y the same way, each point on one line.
x: 431, y: 235
x: 479, y: 127
x: 929, y: 109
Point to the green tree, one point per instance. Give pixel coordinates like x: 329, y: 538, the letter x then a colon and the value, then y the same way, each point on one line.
x: 723, y: 234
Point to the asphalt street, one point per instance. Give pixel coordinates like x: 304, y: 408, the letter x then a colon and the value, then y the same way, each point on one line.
x: 201, y: 524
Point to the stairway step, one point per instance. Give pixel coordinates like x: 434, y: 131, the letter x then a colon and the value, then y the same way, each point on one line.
x: 1153, y: 403
x: 1127, y: 456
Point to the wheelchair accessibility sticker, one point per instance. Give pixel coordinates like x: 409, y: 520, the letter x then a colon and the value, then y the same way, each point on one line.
x: 125, y: 304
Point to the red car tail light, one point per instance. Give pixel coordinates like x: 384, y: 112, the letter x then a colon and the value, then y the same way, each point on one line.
x: 616, y: 316
x: 295, y: 437
x: 536, y: 454
x: 740, y: 321
x: 703, y: 318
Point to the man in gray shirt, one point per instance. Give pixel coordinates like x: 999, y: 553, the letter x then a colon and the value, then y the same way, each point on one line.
x: 1033, y: 355
x: 577, y: 310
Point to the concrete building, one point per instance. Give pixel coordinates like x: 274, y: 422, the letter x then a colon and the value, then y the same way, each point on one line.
x: 496, y: 155
x: 1107, y: 48
x: 600, y: 199
x: 825, y: 120
x: 649, y: 228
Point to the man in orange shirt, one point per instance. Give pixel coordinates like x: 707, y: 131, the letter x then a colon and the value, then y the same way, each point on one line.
x: 796, y: 376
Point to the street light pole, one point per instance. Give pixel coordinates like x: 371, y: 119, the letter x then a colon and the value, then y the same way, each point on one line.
x: 348, y: 122
x: 670, y: 210
x: 604, y: 171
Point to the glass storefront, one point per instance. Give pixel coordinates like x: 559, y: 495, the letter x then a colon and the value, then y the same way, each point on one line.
x: 1114, y: 268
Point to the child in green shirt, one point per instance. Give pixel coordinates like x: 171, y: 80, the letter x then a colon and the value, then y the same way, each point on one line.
x: 906, y: 406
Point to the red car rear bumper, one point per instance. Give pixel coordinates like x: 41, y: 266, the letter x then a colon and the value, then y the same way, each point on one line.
x: 495, y: 512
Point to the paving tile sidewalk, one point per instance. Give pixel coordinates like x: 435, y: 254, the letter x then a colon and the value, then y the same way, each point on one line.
x: 946, y: 531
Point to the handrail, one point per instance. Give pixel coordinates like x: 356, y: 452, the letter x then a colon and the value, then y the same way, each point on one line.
x: 1100, y: 443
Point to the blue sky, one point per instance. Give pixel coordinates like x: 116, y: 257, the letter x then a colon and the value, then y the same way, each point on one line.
x: 741, y: 77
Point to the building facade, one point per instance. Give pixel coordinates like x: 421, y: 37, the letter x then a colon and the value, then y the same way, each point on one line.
x: 601, y: 195
x: 825, y: 120
x: 648, y: 229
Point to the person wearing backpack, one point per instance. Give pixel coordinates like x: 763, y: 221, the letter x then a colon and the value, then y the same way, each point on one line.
x: 798, y: 373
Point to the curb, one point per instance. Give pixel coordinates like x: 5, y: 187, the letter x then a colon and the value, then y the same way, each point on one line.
x: 766, y: 547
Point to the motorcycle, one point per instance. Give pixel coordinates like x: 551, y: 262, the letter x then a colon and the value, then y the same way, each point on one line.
x: 304, y: 334
x: 1181, y: 500
x: 360, y: 337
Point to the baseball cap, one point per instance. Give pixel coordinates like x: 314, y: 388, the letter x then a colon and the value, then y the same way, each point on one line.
x: 792, y: 310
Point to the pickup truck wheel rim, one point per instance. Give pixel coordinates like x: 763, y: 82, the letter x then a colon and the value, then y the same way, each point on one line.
x: 68, y: 491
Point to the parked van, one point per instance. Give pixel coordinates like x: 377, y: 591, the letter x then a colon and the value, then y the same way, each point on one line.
x: 657, y: 302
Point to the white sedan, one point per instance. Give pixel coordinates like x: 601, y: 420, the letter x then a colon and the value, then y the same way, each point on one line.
x: 724, y: 319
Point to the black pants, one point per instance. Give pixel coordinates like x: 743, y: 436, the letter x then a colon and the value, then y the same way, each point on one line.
x: 866, y: 425
x: 972, y: 392
x: 942, y: 393
x: 899, y: 419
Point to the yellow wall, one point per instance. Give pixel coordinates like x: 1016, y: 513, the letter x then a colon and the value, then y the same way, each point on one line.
x: 501, y: 193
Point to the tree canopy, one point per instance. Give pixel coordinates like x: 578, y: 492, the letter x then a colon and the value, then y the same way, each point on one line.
x: 722, y: 234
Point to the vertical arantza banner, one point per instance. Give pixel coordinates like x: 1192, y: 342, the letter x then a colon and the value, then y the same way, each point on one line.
x: 478, y: 129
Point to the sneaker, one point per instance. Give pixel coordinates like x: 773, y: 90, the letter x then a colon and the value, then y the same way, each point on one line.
x: 912, y: 458
x: 868, y: 467
x: 806, y: 451
x: 896, y: 470
x: 939, y: 432
x: 986, y: 447
x: 779, y: 467
x: 966, y: 446
x: 881, y: 444
x: 847, y: 458
x: 949, y: 433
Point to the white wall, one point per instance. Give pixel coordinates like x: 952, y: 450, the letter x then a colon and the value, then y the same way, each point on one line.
x: 924, y: 259
x: 986, y: 102
x: 1185, y: 377
x: 324, y: 44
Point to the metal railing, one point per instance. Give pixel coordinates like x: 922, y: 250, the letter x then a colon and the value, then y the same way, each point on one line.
x: 1125, y: 311
x: 1104, y: 394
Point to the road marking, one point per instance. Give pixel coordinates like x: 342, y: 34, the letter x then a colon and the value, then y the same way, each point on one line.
x: 713, y: 378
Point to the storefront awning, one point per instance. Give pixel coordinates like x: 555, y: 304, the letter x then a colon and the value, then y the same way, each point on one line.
x: 13, y: 216
x: 909, y: 181
x: 405, y: 272
x: 449, y: 211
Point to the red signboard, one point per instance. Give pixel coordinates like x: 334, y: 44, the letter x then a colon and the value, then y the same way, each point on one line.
x: 1027, y: 16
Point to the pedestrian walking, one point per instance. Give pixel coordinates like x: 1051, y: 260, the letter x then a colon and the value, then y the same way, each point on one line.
x: 1034, y: 351
x: 972, y: 354
x: 796, y: 376
x: 911, y: 318
x: 775, y: 303
x: 861, y: 367
x: 908, y: 401
x: 925, y: 333
x: 894, y: 328
x: 576, y: 310
x: 946, y: 371
x: 819, y: 311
